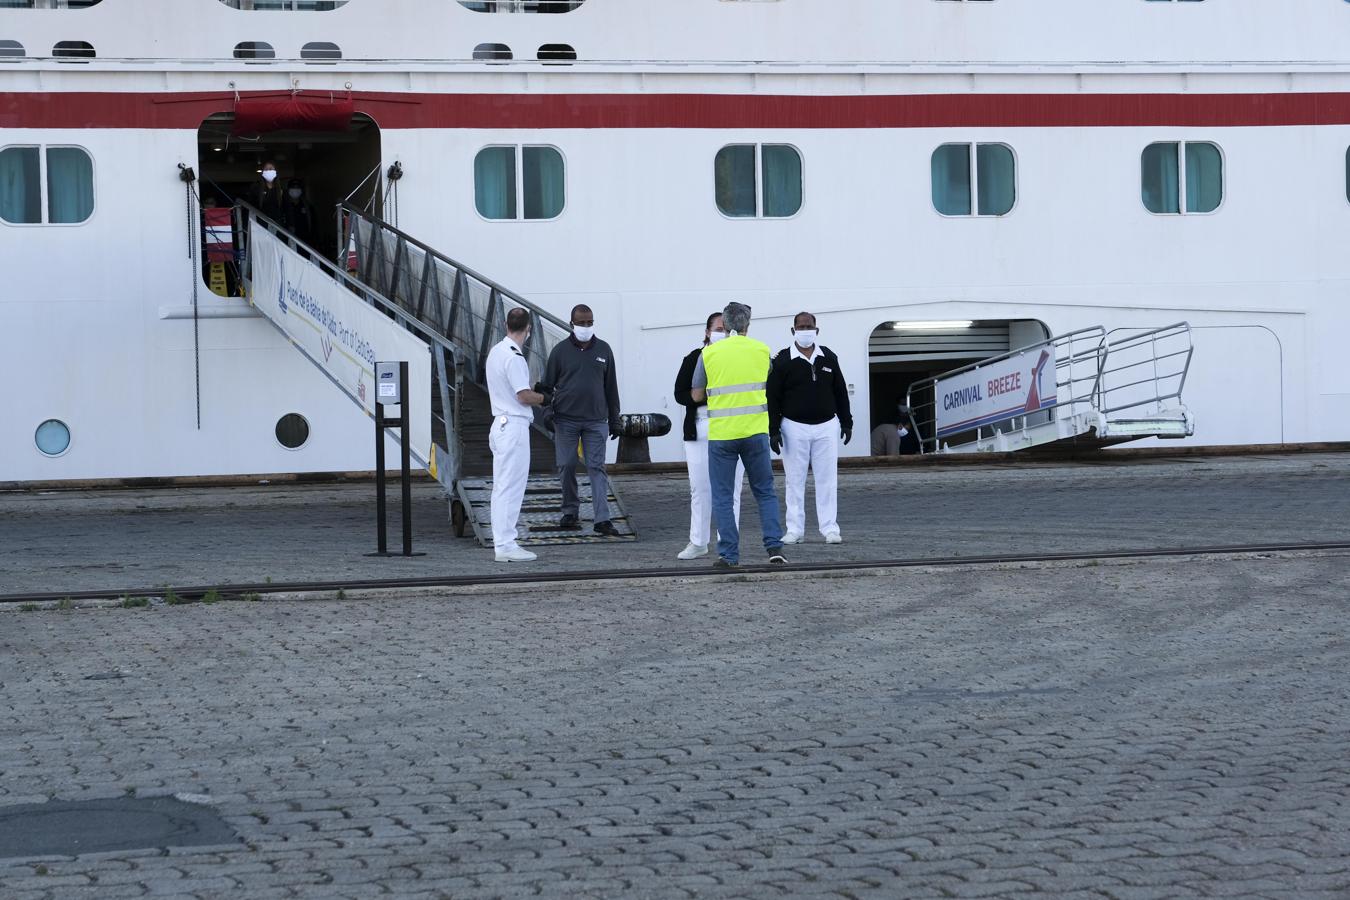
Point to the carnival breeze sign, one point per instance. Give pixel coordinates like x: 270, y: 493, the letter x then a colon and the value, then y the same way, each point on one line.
x: 338, y: 331
x: 1022, y: 384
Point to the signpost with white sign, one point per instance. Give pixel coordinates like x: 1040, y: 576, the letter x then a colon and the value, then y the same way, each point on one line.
x: 1018, y: 385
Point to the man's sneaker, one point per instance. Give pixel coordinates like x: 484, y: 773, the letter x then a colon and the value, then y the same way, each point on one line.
x: 569, y: 520
x: 606, y: 528
x: 776, y: 557
x: 515, y: 554
x: 834, y: 537
x: 723, y: 563
x: 693, y: 551
x: 792, y: 537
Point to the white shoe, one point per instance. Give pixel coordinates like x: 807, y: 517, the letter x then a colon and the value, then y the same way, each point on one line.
x: 515, y: 554
x: 792, y: 537
x: 693, y: 551
x: 834, y: 537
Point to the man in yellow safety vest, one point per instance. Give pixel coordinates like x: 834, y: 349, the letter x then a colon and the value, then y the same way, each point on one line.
x: 732, y: 375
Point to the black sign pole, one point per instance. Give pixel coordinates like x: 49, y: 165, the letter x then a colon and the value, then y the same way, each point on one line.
x: 382, y: 547
x: 406, y: 469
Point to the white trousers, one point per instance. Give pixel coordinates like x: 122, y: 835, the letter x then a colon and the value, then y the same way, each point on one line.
x: 509, y: 439
x: 700, y: 487
x: 815, y: 447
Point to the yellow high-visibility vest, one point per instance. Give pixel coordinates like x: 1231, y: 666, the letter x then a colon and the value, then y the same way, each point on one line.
x: 738, y: 407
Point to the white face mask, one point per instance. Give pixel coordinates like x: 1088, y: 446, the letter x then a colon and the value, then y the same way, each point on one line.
x: 583, y: 332
x: 715, y: 336
x: 294, y: 193
x: 903, y: 431
x: 805, y: 338
x: 269, y: 175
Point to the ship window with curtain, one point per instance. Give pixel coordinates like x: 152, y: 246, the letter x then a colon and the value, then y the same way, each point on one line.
x: 521, y: 6
x: 1178, y: 178
x: 254, y: 50
x: 519, y: 183
x: 761, y: 181
x: 974, y: 179
x: 55, y: 188
x: 286, y: 5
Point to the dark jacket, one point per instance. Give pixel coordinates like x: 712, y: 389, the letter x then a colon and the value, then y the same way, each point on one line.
x: 584, y: 381
x: 267, y: 198
x: 297, y: 217
x: 807, y: 393
x: 684, y: 383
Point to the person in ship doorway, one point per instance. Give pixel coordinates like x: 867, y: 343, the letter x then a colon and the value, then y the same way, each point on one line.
x: 582, y: 376
x: 896, y: 438
x: 508, y: 379
x: 808, y: 414
x: 696, y: 448
x: 266, y: 194
x: 297, y: 213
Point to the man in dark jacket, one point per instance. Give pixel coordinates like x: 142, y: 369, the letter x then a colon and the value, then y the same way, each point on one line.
x: 581, y: 375
x: 808, y: 414
x: 696, y: 448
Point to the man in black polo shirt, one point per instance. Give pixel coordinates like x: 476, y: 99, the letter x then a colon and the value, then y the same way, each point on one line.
x: 808, y: 414
x: 581, y: 372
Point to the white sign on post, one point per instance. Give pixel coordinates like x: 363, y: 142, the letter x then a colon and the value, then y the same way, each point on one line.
x: 338, y: 331
x: 1021, y: 384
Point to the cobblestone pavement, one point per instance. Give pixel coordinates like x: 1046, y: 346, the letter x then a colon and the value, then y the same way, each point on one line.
x: 1123, y: 730
x: 122, y: 540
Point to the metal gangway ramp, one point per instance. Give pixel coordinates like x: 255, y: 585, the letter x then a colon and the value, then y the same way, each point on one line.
x: 1088, y: 388
x: 465, y: 314
x: 371, y: 305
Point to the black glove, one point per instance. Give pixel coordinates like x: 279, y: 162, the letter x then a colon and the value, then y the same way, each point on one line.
x: 846, y: 434
x: 776, y: 443
x: 546, y: 390
x: 614, y: 431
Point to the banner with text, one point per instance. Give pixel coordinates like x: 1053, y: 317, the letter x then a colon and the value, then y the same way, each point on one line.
x: 338, y: 331
x: 1011, y: 387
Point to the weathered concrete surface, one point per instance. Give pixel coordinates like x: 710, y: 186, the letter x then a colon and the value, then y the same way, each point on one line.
x: 1143, y: 729
x: 145, y: 539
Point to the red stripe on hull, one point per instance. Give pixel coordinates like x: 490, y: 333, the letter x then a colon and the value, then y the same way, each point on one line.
x: 703, y: 111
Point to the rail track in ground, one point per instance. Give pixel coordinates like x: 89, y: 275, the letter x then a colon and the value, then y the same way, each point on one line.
x: 524, y: 576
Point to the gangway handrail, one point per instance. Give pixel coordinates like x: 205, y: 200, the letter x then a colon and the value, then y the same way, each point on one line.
x: 1085, y: 379
x: 447, y: 356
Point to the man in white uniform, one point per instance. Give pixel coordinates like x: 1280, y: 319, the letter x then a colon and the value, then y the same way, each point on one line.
x: 508, y: 378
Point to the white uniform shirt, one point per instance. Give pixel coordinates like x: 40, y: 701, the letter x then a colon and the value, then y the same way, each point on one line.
x: 507, y: 374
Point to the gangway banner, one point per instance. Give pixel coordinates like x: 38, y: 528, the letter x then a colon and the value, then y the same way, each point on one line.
x: 340, y: 333
x: 1021, y: 384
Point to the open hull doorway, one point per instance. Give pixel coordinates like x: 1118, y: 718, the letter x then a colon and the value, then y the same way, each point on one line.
x: 329, y: 167
x: 903, y: 353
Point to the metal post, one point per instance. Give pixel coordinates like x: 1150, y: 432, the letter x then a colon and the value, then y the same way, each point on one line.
x: 382, y: 541
x: 406, y: 470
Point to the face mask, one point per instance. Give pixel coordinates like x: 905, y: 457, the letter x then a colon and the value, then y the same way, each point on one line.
x: 583, y: 332
x: 715, y: 336
x: 805, y: 338
x: 294, y: 193
x: 903, y: 431
x: 269, y: 175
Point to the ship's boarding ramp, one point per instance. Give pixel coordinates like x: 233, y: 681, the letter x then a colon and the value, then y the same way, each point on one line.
x: 1088, y: 388
x: 371, y: 306
x: 466, y: 312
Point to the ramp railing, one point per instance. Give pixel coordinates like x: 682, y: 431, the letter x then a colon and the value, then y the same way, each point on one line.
x: 458, y: 304
x: 1095, y: 378
x: 445, y: 354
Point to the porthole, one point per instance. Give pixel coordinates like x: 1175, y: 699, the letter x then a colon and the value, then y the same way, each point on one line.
x: 292, y: 431
x: 492, y: 52
x: 73, y: 50
x: 557, y: 53
x: 321, y: 51
x: 254, y: 50
x: 11, y: 50
x: 52, y: 437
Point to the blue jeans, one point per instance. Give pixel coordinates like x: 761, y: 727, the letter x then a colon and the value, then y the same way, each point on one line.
x: 722, y: 457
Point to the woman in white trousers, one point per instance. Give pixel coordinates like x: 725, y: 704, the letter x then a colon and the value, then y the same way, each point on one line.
x: 696, y: 451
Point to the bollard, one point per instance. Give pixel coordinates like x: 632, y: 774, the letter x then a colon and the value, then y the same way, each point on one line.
x: 634, y: 430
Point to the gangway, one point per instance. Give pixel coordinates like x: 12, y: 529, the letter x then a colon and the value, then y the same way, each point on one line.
x: 391, y: 299
x: 1083, y: 389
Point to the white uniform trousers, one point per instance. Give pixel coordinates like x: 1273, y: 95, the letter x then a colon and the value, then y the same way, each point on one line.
x: 510, y: 443
x: 815, y: 447
x: 700, y: 487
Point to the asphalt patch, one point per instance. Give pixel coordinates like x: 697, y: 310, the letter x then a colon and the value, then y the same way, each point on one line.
x: 71, y: 828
